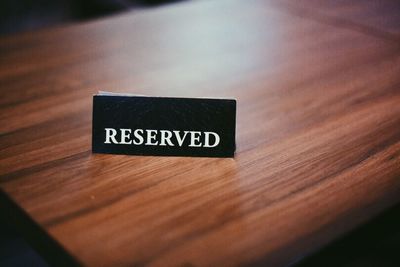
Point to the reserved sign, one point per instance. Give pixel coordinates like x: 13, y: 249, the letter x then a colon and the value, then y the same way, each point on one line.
x: 163, y: 126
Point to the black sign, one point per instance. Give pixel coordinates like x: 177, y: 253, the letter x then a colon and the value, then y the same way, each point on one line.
x: 164, y: 126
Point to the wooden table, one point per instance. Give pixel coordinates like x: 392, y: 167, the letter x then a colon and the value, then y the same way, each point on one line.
x: 318, y: 133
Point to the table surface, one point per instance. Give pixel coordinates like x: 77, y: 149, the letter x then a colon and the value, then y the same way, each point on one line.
x: 318, y: 136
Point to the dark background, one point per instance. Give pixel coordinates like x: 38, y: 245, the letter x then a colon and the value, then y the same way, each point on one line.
x: 23, y: 15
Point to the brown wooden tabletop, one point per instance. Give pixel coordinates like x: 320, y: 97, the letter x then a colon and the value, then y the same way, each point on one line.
x: 318, y: 132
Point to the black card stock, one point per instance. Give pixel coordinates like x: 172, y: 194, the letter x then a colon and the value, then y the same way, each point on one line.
x: 163, y: 126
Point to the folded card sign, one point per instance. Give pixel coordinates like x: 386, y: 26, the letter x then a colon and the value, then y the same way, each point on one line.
x: 163, y: 126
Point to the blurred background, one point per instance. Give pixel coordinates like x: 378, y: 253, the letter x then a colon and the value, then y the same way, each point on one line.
x: 23, y: 15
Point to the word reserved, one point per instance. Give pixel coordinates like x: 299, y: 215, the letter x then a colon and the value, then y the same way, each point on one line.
x: 166, y: 138
x: 163, y: 126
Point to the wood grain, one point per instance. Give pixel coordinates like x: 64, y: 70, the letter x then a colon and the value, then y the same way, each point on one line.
x: 318, y: 136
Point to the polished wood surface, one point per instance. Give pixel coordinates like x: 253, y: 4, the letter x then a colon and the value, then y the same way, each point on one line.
x: 318, y: 133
